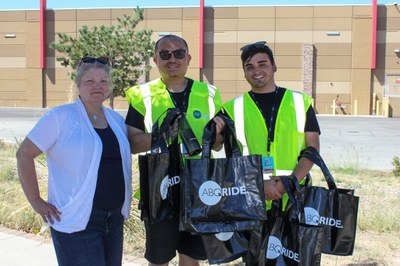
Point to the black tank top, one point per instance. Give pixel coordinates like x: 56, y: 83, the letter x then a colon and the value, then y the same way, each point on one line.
x: 110, y: 188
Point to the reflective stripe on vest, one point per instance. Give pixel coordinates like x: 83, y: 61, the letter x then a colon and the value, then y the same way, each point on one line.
x: 283, y: 172
x: 146, y: 94
x: 211, y: 107
x: 238, y: 109
x: 300, y: 111
x: 239, y: 117
x: 211, y: 94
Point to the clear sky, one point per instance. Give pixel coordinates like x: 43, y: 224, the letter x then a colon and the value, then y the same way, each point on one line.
x: 72, y: 4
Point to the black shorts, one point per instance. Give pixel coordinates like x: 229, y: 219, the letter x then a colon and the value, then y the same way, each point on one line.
x: 164, y: 239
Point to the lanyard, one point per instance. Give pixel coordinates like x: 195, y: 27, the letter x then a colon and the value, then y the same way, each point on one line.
x: 183, y: 106
x: 270, y: 124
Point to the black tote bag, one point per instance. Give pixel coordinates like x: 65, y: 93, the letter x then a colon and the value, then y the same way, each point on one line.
x: 288, y: 241
x: 225, y: 247
x: 334, y: 208
x: 160, y: 171
x: 222, y: 194
x: 292, y: 243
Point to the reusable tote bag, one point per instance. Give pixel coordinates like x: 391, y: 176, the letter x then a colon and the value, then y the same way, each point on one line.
x: 288, y: 241
x: 292, y: 243
x: 222, y: 194
x: 334, y: 208
x: 160, y: 171
x: 225, y: 247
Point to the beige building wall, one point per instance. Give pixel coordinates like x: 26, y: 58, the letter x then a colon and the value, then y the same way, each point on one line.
x: 339, y: 39
x: 388, y: 61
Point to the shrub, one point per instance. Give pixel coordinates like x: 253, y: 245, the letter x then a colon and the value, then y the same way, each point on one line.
x: 396, y: 164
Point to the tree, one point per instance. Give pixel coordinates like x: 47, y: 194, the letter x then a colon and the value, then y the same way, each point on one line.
x: 127, y: 49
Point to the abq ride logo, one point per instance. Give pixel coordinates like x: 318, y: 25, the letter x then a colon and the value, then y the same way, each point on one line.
x: 312, y: 217
x: 166, y: 183
x: 210, y: 192
x: 224, y: 236
x: 275, y: 249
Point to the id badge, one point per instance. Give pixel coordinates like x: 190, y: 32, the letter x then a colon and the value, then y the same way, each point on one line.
x: 268, y: 167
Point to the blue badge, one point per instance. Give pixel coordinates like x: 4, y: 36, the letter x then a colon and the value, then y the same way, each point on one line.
x: 268, y: 167
x: 196, y: 114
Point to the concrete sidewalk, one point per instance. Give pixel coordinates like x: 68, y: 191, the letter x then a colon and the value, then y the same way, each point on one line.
x: 23, y: 249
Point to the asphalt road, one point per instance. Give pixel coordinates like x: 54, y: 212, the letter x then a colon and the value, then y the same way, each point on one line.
x: 363, y: 142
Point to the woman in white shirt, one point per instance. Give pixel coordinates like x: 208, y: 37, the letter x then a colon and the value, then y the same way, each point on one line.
x: 89, y: 166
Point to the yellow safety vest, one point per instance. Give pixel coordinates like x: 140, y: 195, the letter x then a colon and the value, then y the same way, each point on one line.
x: 289, y: 136
x: 152, y: 99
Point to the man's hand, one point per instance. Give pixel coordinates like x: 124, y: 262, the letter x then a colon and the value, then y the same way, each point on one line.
x: 219, y: 124
x: 219, y: 127
x: 279, y: 185
x: 271, y: 190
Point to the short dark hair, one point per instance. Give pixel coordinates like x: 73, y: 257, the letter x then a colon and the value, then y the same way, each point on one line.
x: 248, y: 51
x: 170, y: 36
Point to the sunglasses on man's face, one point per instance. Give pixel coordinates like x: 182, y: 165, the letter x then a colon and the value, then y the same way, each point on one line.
x: 90, y: 60
x: 258, y: 45
x: 166, y: 55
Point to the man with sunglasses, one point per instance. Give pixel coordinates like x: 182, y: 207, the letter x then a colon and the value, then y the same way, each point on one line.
x: 147, y: 103
x: 273, y: 121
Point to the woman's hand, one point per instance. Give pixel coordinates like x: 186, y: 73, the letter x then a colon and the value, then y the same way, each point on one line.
x: 48, y: 211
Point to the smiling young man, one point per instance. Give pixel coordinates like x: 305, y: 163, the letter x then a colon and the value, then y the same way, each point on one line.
x: 273, y: 121
x: 147, y: 102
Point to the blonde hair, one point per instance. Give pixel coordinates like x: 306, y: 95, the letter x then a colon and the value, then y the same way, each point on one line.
x: 84, y: 67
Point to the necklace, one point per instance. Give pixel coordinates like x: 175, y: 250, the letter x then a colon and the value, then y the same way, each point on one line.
x: 94, y: 116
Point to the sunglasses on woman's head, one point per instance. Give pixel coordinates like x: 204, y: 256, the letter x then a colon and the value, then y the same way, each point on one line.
x: 258, y: 45
x: 90, y: 60
x: 166, y: 55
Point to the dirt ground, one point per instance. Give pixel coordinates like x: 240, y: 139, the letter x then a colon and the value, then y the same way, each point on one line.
x: 370, y: 249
